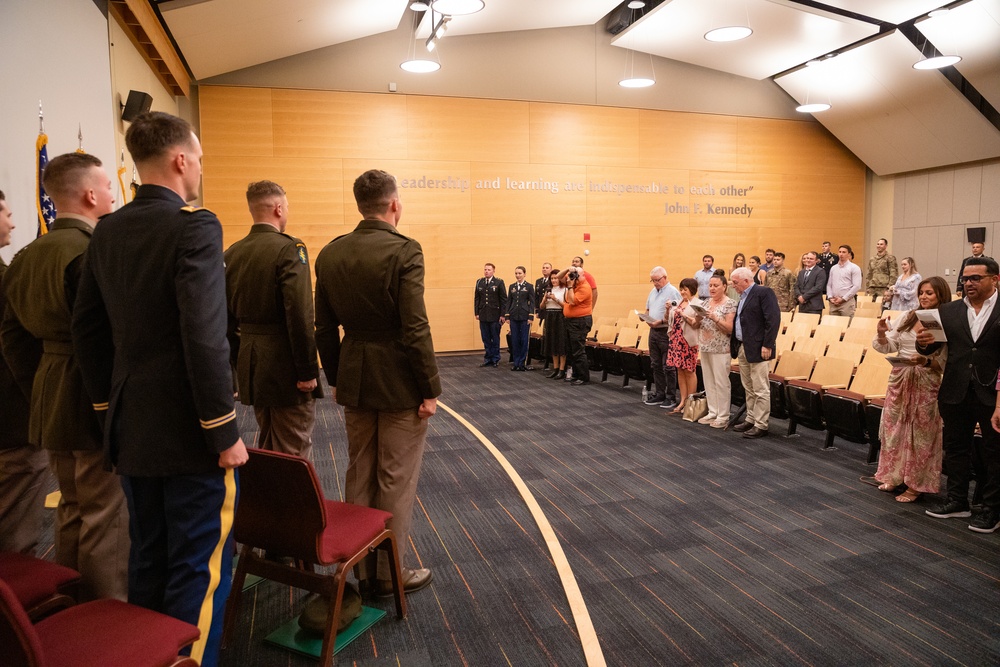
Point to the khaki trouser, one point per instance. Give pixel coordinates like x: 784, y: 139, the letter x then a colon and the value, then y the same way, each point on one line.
x: 847, y: 308
x: 758, y: 390
x: 718, y: 389
x: 91, y: 528
x: 385, y: 451
x: 22, y: 497
x: 287, y: 429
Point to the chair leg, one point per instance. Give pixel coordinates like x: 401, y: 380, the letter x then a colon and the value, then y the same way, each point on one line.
x: 235, y: 595
x: 333, y: 619
x: 397, y: 575
x: 828, y: 443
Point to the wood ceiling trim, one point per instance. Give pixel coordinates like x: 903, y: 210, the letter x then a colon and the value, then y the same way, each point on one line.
x: 142, y: 26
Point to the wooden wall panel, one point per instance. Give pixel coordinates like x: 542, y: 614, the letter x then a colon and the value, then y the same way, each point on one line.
x: 447, y: 128
x: 448, y: 155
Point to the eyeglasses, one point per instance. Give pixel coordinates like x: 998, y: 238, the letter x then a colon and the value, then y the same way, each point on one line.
x: 656, y: 280
x: 973, y: 278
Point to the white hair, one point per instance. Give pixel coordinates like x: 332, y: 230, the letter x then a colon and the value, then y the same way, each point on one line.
x: 657, y: 270
x: 742, y: 273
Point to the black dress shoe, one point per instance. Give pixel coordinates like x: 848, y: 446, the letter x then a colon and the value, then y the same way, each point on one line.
x: 745, y: 426
x: 561, y: 375
x: 485, y: 364
x: 754, y: 432
x: 577, y: 383
x: 554, y: 373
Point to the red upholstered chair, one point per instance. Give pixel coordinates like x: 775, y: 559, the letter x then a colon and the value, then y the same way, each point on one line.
x: 283, y: 511
x: 104, y: 632
x: 41, y: 587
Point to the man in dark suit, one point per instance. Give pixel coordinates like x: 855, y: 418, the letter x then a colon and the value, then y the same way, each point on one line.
x: 91, y: 531
x: 371, y: 282
x: 752, y: 341
x: 978, y: 250
x: 149, y: 331
x: 968, y: 394
x: 490, y: 304
x: 271, y: 324
x: 810, y: 285
x: 22, y: 465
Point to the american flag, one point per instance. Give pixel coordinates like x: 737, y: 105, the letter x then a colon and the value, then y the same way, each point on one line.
x: 46, y: 208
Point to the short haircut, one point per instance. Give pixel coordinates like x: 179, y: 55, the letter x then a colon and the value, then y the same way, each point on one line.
x: 990, y: 264
x: 719, y: 274
x: 373, y: 190
x: 770, y: 250
x: 813, y: 253
x: 62, y: 174
x: 491, y: 265
x: 657, y: 270
x: 848, y: 249
x: 742, y: 273
x: 780, y: 254
x: 708, y: 257
x: 258, y: 191
x: 3, y: 197
x: 523, y: 270
x: 579, y: 258
x: 691, y: 285
x: 825, y: 243
x: 885, y: 241
x: 153, y: 133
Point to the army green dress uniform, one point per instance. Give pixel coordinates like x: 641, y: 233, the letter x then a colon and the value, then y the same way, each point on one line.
x: 882, y: 273
x: 91, y: 532
x: 272, y: 335
x: 371, y: 282
x: 22, y: 464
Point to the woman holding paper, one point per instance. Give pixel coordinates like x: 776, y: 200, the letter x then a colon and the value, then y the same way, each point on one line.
x: 682, y: 355
x: 911, y: 425
x: 714, y: 326
x: 903, y: 295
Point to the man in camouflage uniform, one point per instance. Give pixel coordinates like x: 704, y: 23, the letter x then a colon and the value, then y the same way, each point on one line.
x: 782, y: 282
x: 882, y: 270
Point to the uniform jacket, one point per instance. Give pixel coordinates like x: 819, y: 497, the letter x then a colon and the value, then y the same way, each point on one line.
x: 149, y: 328
x: 969, y: 362
x: 760, y: 320
x: 271, y: 323
x: 491, y: 299
x: 782, y: 283
x: 541, y: 286
x: 14, y: 404
x: 882, y: 271
x: 520, y: 302
x: 811, y: 289
x: 371, y: 282
x: 826, y: 260
x: 41, y: 286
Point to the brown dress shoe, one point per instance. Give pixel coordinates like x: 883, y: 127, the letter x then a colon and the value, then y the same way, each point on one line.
x: 754, y: 433
x: 745, y: 426
x: 413, y: 581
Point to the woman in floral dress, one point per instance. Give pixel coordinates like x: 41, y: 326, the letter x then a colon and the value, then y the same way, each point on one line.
x: 911, y: 426
x: 682, y: 356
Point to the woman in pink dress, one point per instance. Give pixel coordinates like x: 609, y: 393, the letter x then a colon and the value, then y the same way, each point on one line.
x: 911, y: 425
x: 682, y: 356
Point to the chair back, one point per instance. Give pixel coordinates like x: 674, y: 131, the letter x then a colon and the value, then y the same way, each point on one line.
x: 839, y: 321
x: 828, y: 334
x: 832, y: 372
x: 628, y: 337
x: 21, y: 646
x: 872, y: 378
x: 281, y: 506
x: 795, y: 364
x: 853, y: 352
x: 814, y: 346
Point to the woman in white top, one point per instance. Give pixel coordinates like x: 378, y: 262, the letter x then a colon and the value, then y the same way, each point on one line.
x: 911, y: 425
x: 903, y: 295
x: 554, y: 338
x: 714, y: 328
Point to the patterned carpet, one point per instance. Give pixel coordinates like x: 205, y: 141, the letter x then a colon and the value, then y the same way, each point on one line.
x: 691, y: 546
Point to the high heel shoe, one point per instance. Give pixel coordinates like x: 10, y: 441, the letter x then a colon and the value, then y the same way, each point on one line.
x: 561, y: 375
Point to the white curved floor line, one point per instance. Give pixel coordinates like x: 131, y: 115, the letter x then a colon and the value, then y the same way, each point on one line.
x: 584, y: 627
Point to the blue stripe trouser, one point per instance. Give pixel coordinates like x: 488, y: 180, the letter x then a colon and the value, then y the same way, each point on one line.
x: 519, y: 334
x: 180, y: 563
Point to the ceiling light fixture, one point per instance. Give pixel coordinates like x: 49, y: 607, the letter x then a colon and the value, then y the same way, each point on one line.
x: 931, y: 58
x: 418, y: 6
x: 457, y: 7
x: 629, y: 78
x: 815, y: 107
x: 731, y: 33
x: 938, y: 12
x: 636, y: 4
x: 423, y: 64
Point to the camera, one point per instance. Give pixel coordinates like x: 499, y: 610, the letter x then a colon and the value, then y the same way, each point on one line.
x: 573, y: 275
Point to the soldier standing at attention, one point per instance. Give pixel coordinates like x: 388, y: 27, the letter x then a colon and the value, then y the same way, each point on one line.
x: 91, y: 528
x: 882, y: 270
x: 149, y: 329
x: 782, y: 283
x: 371, y: 282
x: 542, y: 285
x: 22, y: 465
x: 490, y: 304
x: 271, y: 324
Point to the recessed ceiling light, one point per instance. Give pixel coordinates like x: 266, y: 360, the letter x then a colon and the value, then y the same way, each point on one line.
x: 732, y: 33
x: 457, y: 7
x: 418, y: 6
x: 420, y: 66
x: 638, y: 82
x: 936, y: 62
x: 636, y: 4
x: 815, y: 107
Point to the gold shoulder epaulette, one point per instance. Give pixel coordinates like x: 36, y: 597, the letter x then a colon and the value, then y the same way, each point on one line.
x: 193, y: 209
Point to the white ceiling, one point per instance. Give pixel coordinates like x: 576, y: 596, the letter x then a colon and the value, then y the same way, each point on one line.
x: 894, y: 118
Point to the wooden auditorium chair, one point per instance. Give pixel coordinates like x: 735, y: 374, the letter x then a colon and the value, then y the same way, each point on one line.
x: 41, y: 586
x: 804, y: 398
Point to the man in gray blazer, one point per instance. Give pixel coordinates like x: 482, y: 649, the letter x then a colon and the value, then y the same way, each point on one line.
x: 810, y: 285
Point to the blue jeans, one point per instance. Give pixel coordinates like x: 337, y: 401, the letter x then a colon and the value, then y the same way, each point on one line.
x: 490, y: 331
x: 519, y: 330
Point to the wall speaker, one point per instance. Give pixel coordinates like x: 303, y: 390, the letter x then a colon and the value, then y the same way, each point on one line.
x: 138, y: 102
x: 976, y: 234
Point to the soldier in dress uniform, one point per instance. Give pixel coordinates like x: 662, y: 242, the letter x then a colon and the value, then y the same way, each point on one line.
x: 22, y: 464
x: 782, y: 282
x: 91, y: 528
x: 826, y: 259
x: 271, y: 324
x: 384, y: 373
x: 542, y: 285
x: 882, y: 270
x: 490, y: 304
x: 520, y: 312
x: 149, y: 329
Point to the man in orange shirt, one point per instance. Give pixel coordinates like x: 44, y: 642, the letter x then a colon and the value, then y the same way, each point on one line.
x: 577, y: 311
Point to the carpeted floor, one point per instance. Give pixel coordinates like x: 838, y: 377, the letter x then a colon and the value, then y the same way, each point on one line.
x: 690, y: 546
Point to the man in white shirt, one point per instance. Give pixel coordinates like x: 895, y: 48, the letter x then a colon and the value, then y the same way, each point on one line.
x: 843, y: 284
x: 661, y: 299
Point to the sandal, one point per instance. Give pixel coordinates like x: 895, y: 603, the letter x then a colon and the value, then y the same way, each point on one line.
x: 907, y: 496
x: 678, y: 410
x: 887, y: 487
